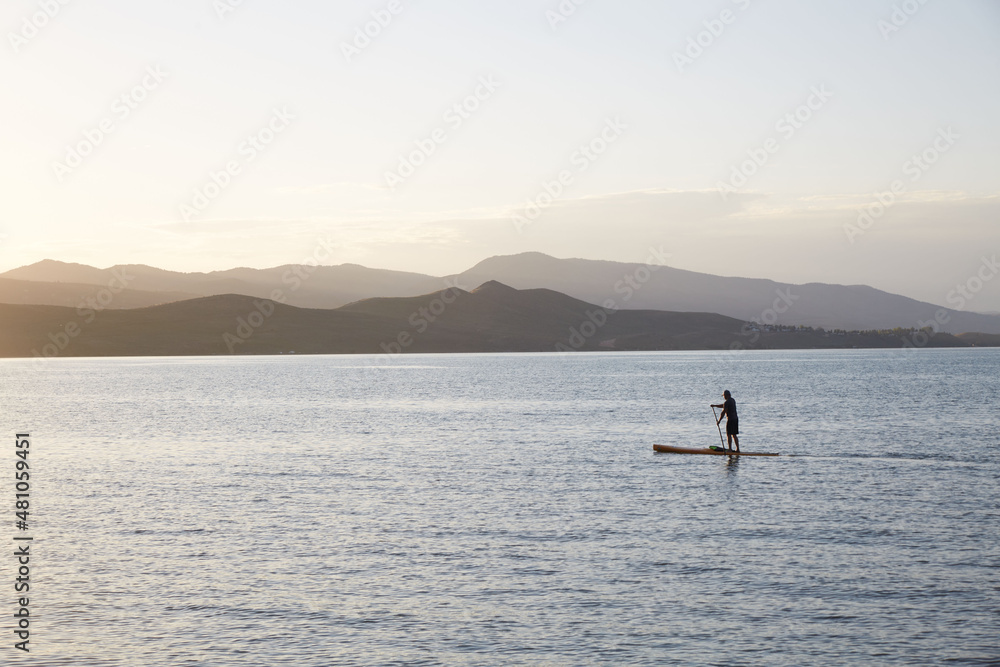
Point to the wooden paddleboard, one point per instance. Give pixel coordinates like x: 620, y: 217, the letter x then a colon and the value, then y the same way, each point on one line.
x: 718, y: 452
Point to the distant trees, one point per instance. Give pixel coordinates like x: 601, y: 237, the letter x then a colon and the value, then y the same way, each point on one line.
x: 789, y: 328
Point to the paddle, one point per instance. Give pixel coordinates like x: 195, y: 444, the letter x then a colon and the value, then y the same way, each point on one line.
x: 721, y: 439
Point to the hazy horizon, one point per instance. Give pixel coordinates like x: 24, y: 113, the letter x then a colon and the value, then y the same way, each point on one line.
x: 745, y: 138
x: 389, y: 465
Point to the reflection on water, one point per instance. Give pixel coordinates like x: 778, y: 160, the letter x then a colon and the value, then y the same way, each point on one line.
x: 508, y: 509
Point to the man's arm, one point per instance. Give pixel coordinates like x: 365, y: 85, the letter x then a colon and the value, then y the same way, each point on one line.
x: 721, y: 414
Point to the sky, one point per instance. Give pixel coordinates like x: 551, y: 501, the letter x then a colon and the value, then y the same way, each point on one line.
x: 850, y: 142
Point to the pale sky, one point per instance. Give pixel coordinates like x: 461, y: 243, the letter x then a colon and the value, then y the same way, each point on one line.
x: 666, y: 129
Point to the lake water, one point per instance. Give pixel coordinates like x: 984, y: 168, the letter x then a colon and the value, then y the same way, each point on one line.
x: 508, y: 509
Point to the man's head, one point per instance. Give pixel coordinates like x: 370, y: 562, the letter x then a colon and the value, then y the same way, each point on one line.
x: 726, y: 394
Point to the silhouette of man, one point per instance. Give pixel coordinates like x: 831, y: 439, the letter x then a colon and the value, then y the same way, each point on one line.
x: 732, y: 419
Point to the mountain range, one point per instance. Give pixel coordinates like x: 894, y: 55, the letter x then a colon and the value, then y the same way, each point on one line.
x: 491, y: 318
x: 628, y: 286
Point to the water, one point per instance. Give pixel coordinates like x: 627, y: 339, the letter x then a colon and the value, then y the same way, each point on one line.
x: 508, y: 509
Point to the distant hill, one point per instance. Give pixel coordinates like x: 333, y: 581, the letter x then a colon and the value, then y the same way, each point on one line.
x: 308, y: 287
x: 491, y: 318
x: 980, y: 339
x: 850, y: 307
x: 52, y: 271
x: 76, y: 294
x: 630, y: 286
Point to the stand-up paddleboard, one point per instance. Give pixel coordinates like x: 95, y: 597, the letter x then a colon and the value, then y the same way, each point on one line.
x: 718, y: 451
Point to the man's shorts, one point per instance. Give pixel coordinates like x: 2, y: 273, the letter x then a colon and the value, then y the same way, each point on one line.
x: 732, y: 427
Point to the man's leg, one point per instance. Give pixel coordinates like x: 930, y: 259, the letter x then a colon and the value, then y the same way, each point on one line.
x: 737, y: 439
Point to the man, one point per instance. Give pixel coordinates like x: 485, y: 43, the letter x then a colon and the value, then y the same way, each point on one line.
x: 732, y: 419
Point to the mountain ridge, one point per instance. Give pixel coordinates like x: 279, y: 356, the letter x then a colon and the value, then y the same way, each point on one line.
x: 495, y: 319
x: 631, y: 286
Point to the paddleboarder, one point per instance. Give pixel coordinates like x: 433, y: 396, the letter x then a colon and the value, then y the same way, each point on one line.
x: 732, y: 419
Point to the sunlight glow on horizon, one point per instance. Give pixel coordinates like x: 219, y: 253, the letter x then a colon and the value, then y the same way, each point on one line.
x: 483, y: 111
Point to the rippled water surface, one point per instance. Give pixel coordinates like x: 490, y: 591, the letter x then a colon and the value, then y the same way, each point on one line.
x: 508, y: 509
